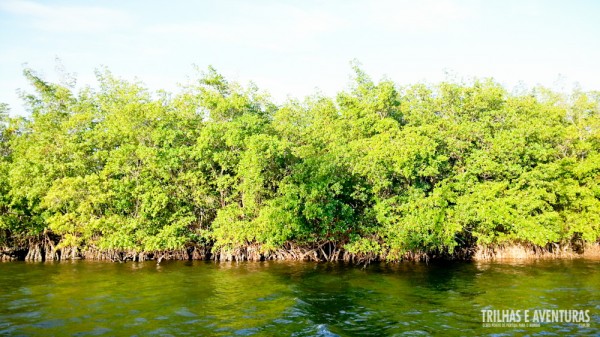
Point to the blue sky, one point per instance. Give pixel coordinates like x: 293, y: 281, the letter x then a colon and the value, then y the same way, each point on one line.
x: 294, y: 47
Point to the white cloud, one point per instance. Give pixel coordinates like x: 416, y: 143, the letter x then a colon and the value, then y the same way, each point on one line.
x: 86, y: 19
x: 424, y: 15
x: 282, y: 28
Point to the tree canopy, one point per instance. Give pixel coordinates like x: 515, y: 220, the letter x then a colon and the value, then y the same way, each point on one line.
x: 380, y: 170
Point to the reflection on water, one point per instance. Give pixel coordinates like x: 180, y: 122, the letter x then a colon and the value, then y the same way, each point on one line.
x: 289, y: 299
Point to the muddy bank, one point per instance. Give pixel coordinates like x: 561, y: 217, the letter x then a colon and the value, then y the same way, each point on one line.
x: 525, y: 252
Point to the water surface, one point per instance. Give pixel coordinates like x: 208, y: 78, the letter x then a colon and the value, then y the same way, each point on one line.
x: 84, y: 298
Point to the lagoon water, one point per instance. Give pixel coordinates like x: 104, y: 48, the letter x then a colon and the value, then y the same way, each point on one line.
x: 176, y: 298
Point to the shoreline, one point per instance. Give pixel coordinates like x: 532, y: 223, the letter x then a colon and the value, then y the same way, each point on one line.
x: 496, y: 253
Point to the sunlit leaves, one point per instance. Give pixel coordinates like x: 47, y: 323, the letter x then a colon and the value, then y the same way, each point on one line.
x: 380, y: 170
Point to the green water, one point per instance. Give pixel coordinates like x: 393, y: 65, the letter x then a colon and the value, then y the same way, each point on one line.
x: 289, y: 299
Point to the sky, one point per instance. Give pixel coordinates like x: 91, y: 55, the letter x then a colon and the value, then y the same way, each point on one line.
x: 298, y: 48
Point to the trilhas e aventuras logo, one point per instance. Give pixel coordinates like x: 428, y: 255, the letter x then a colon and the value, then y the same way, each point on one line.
x: 533, y: 318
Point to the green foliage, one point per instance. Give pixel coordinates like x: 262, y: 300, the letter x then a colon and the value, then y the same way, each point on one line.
x: 380, y: 170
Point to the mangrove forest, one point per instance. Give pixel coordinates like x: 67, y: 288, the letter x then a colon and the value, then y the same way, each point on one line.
x: 217, y: 170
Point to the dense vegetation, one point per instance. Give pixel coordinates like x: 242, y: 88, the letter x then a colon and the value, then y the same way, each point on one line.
x: 220, y: 171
